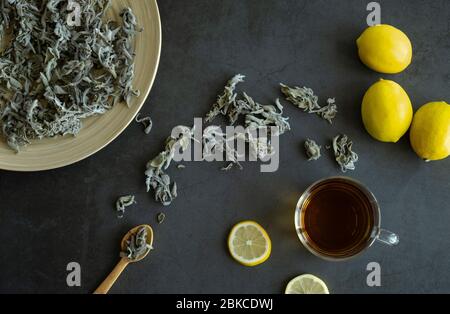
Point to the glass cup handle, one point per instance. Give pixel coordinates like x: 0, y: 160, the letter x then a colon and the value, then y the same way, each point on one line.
x: 388, y: 237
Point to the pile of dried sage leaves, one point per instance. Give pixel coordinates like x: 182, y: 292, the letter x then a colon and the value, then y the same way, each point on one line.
x: 54, y: 74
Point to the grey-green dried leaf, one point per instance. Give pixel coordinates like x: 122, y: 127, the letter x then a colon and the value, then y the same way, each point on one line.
x: 160, y: 218
x: 229, y: 167
x: 312, y: 150
x: 343, y: 151
x: 122, y: 203
x: 259, y: 116
x: 215, y: 144
x: 156, y: 179
x: 328, y: 112
x: 146, y: 122
x: 305, y: 99
x: 226, y: 99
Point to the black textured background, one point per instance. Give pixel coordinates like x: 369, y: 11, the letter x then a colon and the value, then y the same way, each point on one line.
x: 51, y: 218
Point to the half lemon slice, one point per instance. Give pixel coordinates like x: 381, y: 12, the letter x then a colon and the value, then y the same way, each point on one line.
x: 249, y: 243
x: 306, y: 284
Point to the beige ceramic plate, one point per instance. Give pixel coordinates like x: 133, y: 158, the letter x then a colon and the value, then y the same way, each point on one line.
x: 98, y: 131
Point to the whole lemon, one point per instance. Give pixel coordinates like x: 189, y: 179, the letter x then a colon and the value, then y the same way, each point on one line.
x: 430, y: 131
x: 387, y: 111
x: 385, y: 49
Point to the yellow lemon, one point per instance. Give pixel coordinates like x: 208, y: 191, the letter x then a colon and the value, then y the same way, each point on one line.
x: 385, y: 49
x: 249, y: 243
x: 430, y: 131
x: 387, y: 111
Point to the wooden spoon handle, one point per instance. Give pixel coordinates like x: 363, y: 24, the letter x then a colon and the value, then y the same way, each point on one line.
x: 112, y: 277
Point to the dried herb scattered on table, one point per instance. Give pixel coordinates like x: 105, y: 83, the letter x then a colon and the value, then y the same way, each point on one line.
x: 137, y: 245
x: 343, y: 151
x: 312, y: 150
x: 215, y: 142
x: 160, y: 218
x: 124, y: 202
x: 305, y: 99
x: 53, y: 75
x: 256, y: 117
x: 226, y: 100
x: 157, y: 180
x: 329, y: 111
x: 146, y: 122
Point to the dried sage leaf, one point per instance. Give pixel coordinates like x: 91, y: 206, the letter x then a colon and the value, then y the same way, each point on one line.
x: 328, y: 112
x: 122, y: 203
x: 345, y: 156
x: 157, y: 180
x: 256, y: 117
x: 229, y: 167
x: 312, y: 150
x: 147, y: 122
x: 216, y: 143
x: 305, y: 99
x: 225, y: 100
x: 137, y: 246
x: 160, y: 218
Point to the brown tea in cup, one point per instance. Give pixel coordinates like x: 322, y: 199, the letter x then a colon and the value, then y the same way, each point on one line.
x: 338, y: 218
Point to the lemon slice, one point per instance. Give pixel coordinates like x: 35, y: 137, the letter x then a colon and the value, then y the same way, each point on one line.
x: 306, y: 284
x: 249, y: 243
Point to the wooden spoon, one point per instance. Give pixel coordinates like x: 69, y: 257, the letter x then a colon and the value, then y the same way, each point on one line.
x: 124, y: 261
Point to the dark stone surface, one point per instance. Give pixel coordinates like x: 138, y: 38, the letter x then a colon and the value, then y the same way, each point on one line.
x: 51, y: 218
